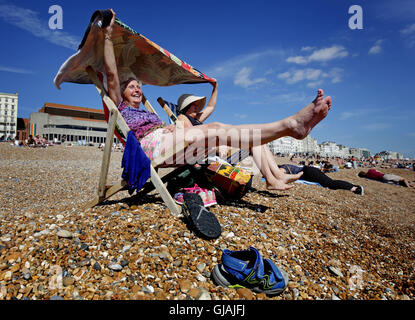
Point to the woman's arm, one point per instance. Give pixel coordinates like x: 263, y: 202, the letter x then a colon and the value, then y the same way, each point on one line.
x: 110, y: 64
x: 184, y: 120
x: 207, y: 111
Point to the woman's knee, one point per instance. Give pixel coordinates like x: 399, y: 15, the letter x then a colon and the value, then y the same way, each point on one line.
x: 217, y: 125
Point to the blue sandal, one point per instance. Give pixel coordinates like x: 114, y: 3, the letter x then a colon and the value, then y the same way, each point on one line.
x: 247, y: 269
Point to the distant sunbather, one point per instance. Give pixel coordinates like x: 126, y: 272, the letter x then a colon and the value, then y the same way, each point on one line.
x: 155, y: 139
x: 313, y: 174
x: 388, y: 177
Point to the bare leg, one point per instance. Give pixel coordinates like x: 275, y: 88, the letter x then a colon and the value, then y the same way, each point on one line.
x: 297, y: 126
x: 276, y: 179
x: 278, y: 173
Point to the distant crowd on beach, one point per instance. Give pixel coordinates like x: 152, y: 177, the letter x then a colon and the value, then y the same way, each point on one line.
x: 333, y: 164
x: 39, y: 142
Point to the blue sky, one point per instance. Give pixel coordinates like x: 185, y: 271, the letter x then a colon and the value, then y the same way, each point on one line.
x: 269, y: 58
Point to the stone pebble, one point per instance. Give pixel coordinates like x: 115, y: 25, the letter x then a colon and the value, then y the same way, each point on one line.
x: 53, y: 248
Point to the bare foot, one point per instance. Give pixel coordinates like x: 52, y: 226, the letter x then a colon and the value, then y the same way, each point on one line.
x: 284, y: 183
x: 301, y: 123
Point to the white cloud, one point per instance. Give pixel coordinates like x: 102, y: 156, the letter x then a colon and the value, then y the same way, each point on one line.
x: 240, y: 115
x: 307, y: 48
x: 347, y: 115
x: 321, y: 55
x: 376, y: 48
x: 229, y: 67
x: 326, y: 54
x: 409, y: 29
x: 29, y: 20
x: 409, y: 34
x: 377, y: 126
x: 243, y: 80
x: 335, y: 74
x: 298, y: 60
x: 315, y: 76
x: 15, y: 70
x: 300, y: 75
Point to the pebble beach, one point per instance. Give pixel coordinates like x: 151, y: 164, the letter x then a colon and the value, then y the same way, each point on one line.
x: 334, y: 245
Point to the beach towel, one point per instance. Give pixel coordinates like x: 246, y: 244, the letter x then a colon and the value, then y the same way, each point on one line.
x: 303, y: 182
x: 308, y: 182
x: 134, y: 53
x: 135, y: 163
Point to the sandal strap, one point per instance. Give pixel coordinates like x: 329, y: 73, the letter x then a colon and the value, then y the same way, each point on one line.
x: 241, y: 266
x: 276, y: 273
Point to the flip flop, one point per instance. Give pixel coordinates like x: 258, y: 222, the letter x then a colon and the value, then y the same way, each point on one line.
x: 202, y: 221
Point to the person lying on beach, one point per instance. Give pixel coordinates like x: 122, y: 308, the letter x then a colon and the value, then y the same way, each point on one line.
x: 313, y: 174
x: 155, y: 138
x: 192, y: 113
x: 387, y: 178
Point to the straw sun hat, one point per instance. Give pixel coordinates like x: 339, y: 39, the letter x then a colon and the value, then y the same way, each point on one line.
x: 187, y: 99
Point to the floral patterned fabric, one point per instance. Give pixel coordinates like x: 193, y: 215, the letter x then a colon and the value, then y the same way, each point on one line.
x: 138, y: 120
x: 134, y: 53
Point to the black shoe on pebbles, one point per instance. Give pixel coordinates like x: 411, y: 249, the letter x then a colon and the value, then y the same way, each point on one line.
x: 201, y: 220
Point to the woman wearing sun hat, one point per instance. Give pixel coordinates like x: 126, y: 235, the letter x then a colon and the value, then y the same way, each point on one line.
x: 192, y: 110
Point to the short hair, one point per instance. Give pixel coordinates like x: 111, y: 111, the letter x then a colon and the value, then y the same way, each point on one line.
x: 125, y: 83
x: 362, y: 174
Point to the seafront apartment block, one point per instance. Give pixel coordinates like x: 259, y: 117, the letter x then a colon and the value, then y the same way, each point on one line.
x: 8, y: 115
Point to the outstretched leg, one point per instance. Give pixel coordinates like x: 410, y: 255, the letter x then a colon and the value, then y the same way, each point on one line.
x: 276, y: 179
x: 297, y: 126
x: 306, y: 119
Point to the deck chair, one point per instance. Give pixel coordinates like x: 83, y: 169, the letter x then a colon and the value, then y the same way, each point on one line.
x: 171, y: 109
x: 150, y: 63
x: 118, y: 127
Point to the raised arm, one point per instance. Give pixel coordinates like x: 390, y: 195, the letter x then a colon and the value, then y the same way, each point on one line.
x: 110, y: 64
x: 207, y: 111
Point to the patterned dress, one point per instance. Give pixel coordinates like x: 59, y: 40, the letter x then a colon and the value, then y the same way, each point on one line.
x: 141, y: 123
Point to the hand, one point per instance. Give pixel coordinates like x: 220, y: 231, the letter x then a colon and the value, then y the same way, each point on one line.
x: 214, y: 83
x: 108, y: 30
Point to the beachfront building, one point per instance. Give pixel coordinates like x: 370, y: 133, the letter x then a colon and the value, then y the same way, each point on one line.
x: 309, y: 145
x: 329, y: 149
x: 359, y: 153
x: 22, y: 126
x: 390, y: 155
x: 344, y: 151
x: 284, y: 145
x: 57, y: 122
x: 288, y: 145
x: 8, y: 115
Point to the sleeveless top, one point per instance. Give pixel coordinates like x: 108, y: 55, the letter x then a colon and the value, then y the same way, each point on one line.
x: 195, y: 122
x: 139, y: 121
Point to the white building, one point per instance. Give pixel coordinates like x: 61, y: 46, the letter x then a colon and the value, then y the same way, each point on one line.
x: 390, y: 155
x: 329, y: 149
x: 309, y: 145
x: 287, y: 145
x: 8, y: 115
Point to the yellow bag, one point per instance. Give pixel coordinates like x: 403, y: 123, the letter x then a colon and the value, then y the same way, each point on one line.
x: 232, y: 181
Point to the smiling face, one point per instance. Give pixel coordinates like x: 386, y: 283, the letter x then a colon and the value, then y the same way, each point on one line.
x: 133, y: 94
x: 194, y: 108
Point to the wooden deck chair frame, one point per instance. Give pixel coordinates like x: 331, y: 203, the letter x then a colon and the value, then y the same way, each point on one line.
x: 115, y: 119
